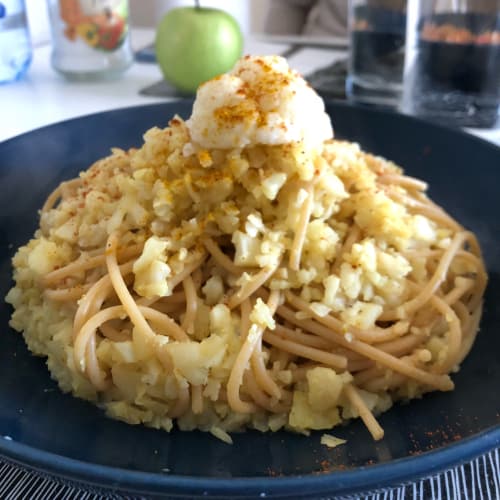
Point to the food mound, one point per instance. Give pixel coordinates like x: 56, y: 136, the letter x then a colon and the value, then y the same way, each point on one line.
x: 244, y: 269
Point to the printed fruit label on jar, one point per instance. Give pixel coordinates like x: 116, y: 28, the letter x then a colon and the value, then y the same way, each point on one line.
x: 101, y: 24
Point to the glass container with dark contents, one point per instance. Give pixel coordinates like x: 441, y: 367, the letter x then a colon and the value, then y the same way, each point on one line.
x: 376, y: 54
x: 456, y: 70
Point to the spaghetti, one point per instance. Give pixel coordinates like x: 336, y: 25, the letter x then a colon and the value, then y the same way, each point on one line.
x: 255, y: 286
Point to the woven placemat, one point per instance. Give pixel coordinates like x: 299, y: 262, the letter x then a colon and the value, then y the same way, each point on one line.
x: 477, y: 479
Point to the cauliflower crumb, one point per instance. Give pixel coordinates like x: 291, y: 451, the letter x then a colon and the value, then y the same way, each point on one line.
x: 331, y: 441
x: 261, y: 315
x: 151, y: 269
x: 221, y: 434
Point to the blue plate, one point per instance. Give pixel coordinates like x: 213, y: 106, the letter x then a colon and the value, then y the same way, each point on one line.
x: 56, y: 433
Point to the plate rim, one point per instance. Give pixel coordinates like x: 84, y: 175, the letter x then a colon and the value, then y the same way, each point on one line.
x: 367, y: 478
x: 338, y: 482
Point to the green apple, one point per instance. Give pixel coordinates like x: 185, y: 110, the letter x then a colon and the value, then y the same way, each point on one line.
x: 195, y: 44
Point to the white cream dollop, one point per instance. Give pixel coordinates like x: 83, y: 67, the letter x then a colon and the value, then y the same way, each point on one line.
x: 260, y: 101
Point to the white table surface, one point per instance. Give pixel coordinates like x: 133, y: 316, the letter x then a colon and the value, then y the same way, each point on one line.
x: 43, y: 97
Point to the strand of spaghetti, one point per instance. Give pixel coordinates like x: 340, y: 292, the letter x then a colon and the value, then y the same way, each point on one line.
x: 92, y: 301
x: 195, y: 197
x: 364, y: 412
x: 189, y: 269
x: 462, y: 286
x: 404, y: 181
x: 282, y: 359
x: 66, y: 294
x: 358, y: 365
x: 372, y: 335
x: 299, y: 373
x: 301, y: 229
x: 298, y: 337
x: 240, y: 364
x: 251, y: 285
x: 382, y: 381
x: 441, y: 382
x: 182, y: 403
x: 121, y: 290
x: 197, y: 399
x: 146, y: 301
x: 426, y: 208
x: 197, y: 277
x: 261, y: 374
x: 368, y: 374
x: 351, y: 238
x: 474, y: 246
x: 75, y: 267
x: 386, y: 380
x: 464, y: 316
x: 70, y: 185
x: 166, y: 325
x: 177, y: 298
x: 476, y: 298
x: 403, y: 345
x: 470, y: 259
x: 426, y: 200
x: 96, y: 376
x: 471, y: 333
x: 51, y: 199
x: 83, y: 264
x: 453, y: 337
x: 191, y: 305
x: 245, y: 310
x: 308, y: 339
x: 113, y: 334
x: 261, y: 399
x: 429, y: 253
x: 57, y: 193
x: 290, y: 315
x: 220, y: 257
x: 88, y: 330
x: 303, y: 351
x: 481, y: 275
x: 437, y: 278
x: 168, y: 308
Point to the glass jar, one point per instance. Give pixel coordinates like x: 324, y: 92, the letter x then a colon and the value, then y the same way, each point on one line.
x: 90, y: 38
x: 15, y: 44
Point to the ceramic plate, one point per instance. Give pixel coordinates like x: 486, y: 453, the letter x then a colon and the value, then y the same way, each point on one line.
x: 56, y: 433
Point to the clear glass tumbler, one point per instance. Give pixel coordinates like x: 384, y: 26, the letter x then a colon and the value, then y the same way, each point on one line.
x: 376, y: 51
x: 452, y: 69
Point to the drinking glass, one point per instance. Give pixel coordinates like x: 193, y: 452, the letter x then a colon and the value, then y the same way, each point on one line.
x: 452, y: 69
x: 376, y: 51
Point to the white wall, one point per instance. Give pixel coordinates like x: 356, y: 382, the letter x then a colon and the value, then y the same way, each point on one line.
x: 38, y: 20
x: 258, y: 10
x: 149, y: 12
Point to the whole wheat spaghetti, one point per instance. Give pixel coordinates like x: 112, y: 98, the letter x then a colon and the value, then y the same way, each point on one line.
x: 244, y: 269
